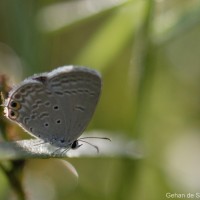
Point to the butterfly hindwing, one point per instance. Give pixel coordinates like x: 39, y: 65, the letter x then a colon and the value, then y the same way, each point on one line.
x: 32, y: 105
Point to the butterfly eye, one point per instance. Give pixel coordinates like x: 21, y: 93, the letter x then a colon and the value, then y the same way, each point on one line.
x: 15, y: 105
x: 12, y: 114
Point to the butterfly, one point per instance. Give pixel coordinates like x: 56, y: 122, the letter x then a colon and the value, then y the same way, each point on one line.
x: 56, y: 106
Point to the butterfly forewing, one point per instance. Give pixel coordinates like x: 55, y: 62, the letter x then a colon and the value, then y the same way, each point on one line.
x: 77, y: 92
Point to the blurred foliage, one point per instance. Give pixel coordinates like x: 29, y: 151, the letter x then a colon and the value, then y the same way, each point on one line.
x: 148, y: 54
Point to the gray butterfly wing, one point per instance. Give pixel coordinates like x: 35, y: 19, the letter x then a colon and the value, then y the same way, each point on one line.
x: 55, y: 106
x: 77, y: 90
x: 32, y: 105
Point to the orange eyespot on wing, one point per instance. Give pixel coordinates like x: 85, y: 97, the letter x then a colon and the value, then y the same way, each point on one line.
x: 12, y: 114
x: 14, y: 105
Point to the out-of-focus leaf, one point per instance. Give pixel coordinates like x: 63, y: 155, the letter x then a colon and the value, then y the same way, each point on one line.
x: 60, y: 15
x: 35, y: 148
x: 112, y: 36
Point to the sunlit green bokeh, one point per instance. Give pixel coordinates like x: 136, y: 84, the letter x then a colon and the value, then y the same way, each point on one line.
x: 148, y: 54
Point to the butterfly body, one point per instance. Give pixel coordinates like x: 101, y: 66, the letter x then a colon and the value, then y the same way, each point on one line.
x: 56, y: 106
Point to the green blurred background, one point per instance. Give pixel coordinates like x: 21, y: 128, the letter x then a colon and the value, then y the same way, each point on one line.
x: 149, y: 55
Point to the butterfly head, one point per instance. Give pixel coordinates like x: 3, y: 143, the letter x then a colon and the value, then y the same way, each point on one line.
x: 75, y: 145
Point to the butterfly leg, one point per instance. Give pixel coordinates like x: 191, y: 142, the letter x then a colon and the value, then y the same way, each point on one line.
x: 65, y: 151
x: 56, y: 152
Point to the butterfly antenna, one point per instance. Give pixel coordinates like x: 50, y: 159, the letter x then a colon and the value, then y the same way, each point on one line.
x: 102, y: 138
x: 96, y: 147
